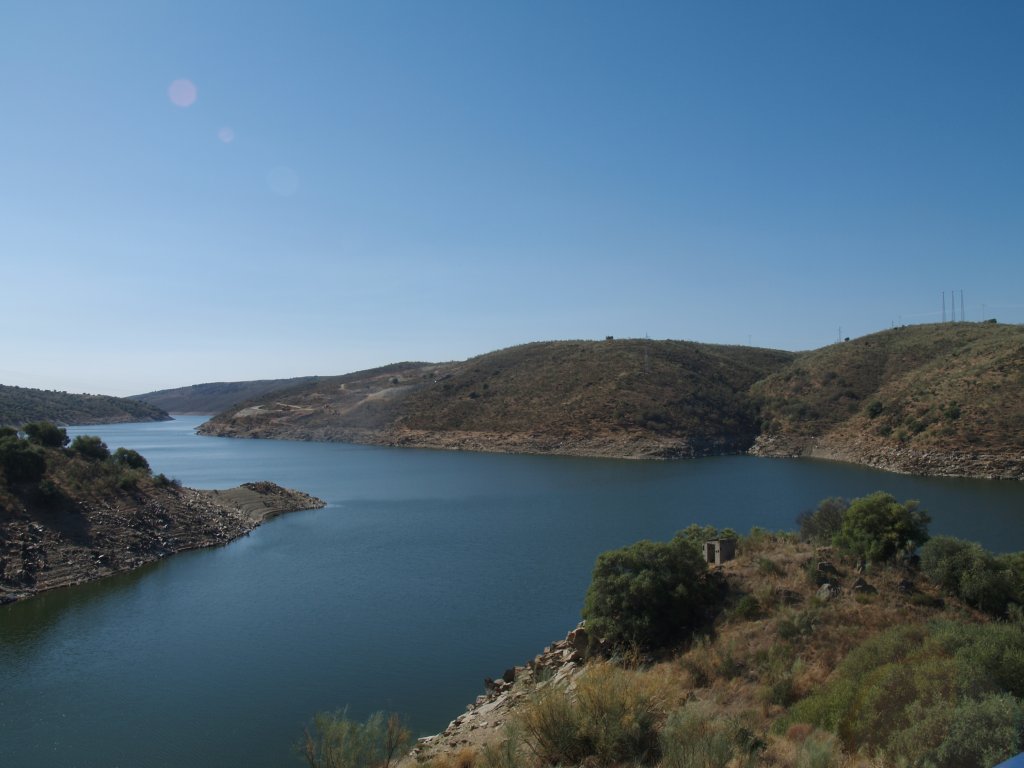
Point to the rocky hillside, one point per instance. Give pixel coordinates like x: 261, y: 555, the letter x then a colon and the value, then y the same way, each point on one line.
x: 70, y: 515
x: 636, y: 398
x: 930, y: 399
x: 218, y: 396
x: 20, y: 405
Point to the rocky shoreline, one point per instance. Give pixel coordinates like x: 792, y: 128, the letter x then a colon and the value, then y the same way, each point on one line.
x: 901, y: 460
x: 63, y: 547
x: 483, y: 720
x: 644, y: 446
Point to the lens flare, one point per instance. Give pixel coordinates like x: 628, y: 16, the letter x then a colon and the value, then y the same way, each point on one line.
x: 226, y: 135
x: 182, y: 93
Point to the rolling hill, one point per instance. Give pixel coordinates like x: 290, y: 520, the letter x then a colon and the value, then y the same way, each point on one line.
x: 20, y: 405
x: 634, y: 397
x: 940, y: 399
x: 217, y: 396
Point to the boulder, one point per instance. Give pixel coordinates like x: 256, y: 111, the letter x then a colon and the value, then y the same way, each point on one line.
x: 863, y: 587
x: 828, y: 591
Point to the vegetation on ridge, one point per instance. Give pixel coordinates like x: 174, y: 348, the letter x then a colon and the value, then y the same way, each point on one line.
x: 929, y: 399
x: 19, y: 405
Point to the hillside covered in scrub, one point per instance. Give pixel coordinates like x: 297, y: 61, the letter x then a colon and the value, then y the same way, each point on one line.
x: 932, y: 399
x: 617, y: 398
x: 73, y: 511
x: 217, y: 396
x: 838, y: 647
x: 20, y: 405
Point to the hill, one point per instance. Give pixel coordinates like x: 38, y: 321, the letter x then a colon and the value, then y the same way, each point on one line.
x: 217, y: 396
x: 634, y: 397
x: 809, y: 659
x: 930, y: 399
x: 20, y: 405
x: 69, y: 515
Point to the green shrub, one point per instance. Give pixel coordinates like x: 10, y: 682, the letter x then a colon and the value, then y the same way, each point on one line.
x: 747, y: 607
x: 878, y: 527
x: 927, y: 695
x: 649, y: 594
x: 967, y: 570
x: 696, y: 736
x: 338, y: 742
x: 90, y: 447
x: 46, y: 434
x: 20, y: 461
x: 823, y: 523
x: 131, y: 459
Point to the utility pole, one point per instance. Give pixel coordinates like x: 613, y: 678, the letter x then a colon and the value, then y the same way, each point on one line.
x: 943, y: 306
x: 963, y: 317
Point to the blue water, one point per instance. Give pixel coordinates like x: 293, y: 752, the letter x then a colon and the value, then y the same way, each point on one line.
x: 426, y: 572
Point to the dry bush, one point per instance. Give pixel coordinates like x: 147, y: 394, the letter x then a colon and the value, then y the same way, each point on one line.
x: 611, y: 716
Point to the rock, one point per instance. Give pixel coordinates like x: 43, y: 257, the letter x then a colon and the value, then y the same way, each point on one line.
x: 510, y: 675
x: 863, y: 587
x: 905, y: 587
x: 824, y: 566
x: 828, y: 591
x: 579, y: 639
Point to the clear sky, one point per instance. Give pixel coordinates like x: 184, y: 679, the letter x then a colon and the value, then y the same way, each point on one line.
x: 212, y: 190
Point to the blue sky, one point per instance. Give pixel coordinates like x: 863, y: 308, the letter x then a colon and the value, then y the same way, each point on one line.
x: 358, y: 184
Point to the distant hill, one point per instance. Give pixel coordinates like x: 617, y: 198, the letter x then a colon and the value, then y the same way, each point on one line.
x: 932, y: 399
x: 20, y: 405
x: 218, y: 396
x: 929, y: 399
x: 631, y: 397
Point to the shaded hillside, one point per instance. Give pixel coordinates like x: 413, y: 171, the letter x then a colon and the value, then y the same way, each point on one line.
x: 20, y: 405
x: 218, y: 396
x: 78, y: 513
x: 618, y: 397
x: 938, y: 399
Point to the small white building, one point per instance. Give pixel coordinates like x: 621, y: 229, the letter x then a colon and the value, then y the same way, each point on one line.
x: 718, y: 551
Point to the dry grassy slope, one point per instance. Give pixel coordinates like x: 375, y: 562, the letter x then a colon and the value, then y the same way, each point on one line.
x: 751, y: 665
x: 908, y: 398
x: 680, y: 398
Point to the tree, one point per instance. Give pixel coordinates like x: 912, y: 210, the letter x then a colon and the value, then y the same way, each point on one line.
x: 969, y: 571
x: 648, y: 594
x: 46, y: 434
x: 131, y: 459
x: 21, y: 462
x: 90, y: 447
x: 878, y: 527
x: 823, y: 523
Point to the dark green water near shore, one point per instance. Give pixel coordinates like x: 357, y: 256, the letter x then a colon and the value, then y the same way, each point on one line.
x: 426, y: 572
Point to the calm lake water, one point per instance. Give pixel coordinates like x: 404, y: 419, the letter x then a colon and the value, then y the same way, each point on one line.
x: 426, y: 572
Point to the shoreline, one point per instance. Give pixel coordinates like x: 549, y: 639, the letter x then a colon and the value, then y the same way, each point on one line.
x: 641, y: 447
x: 47, y: 551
